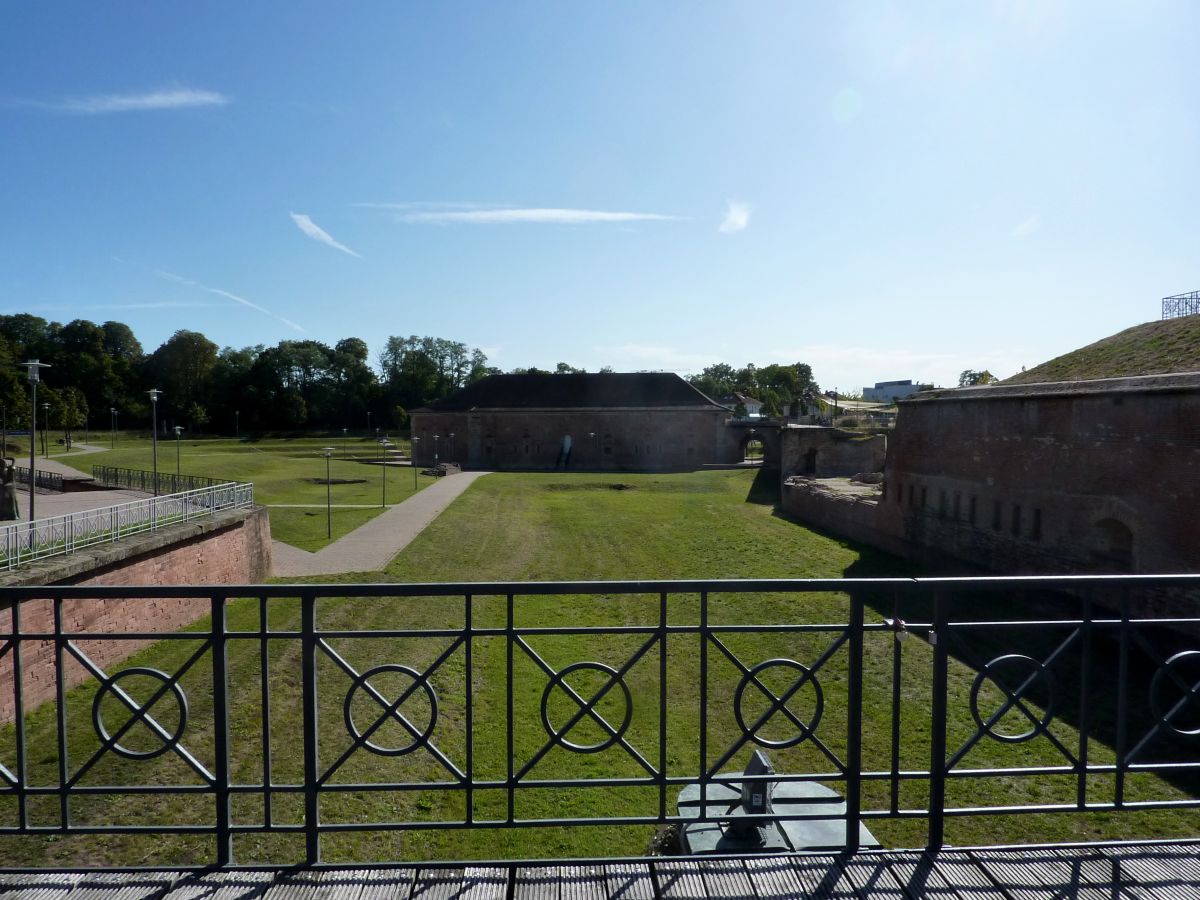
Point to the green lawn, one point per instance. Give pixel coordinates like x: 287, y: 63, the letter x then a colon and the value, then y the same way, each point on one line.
x: 286, y: 473
x: 550, y: 527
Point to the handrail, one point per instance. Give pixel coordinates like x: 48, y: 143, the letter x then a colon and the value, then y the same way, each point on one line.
x: 22, y: 542
x: 144, y: 480
x: 1078, y: 692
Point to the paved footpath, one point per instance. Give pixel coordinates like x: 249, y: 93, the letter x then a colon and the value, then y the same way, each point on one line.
x: 371, y: 546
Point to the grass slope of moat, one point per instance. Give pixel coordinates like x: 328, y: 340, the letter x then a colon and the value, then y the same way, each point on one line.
x: 544, y: 527
x: 1153, y: 348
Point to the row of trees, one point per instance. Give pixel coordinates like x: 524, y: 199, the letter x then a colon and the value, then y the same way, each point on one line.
x: 294, y: 384
x: 783, y: 390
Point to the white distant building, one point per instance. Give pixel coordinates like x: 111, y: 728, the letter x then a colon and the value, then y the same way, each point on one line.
x: 890, y: 391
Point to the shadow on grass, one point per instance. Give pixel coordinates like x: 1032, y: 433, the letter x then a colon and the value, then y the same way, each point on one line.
x: 764, y: 490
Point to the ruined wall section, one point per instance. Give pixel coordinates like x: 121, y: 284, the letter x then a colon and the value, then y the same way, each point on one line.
x: 1080, y: 477
x: 822, y: 452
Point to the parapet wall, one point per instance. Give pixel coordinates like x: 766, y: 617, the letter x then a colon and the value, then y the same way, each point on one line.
x: 230, y: 548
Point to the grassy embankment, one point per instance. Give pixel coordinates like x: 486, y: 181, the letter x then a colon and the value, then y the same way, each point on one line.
x: 547, y: 527
x: 288, y: 476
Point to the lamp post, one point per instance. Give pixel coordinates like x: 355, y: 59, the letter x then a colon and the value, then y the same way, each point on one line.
x: 34, y: 377
x: 237, y: 424
x: 383, y: 482
x: 436, y: 438
x: 178, y: 430
x: 368, y: 423
x: 452, y: 446
x: 328, y: 451
x: 415, y: 441
x: 344, y: 454
x: 113, y: 417
x: 154, y: 393
x: 45, y: 428
x: 595, y: 455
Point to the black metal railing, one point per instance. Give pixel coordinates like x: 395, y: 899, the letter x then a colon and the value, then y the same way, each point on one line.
x: 317, y: 712
x: 49, y: 481
x: 142, y: 480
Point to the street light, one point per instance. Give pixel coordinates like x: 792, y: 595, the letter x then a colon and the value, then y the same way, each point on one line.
x: 344, y: 455
x: 368, y: 423
x: 113, y: 417
x: 154, y: 393
x: 383, y: 480
x: 415, y: 441
x: 178, y: 430
x: 436, y: 437
x: 45, y: 428
x: 34, y: 377
x: 452, y: 446
x: 595, y: 455
x: 328, y: 452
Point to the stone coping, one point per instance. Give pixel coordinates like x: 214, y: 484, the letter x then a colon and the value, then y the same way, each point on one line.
x: 1182, y: 381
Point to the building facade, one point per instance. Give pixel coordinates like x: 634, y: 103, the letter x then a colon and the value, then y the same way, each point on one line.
x: 627, y: 421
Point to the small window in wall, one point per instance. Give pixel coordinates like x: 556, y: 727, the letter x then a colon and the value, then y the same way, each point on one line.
x: 997, y: 512
x: 957, y: 506
x: 899, y: 493
x: 1036, y: 531
x: 1016, y: 520
x: 924, y: 497
x: 912, y: 493
x: 941, y: 504
x: 971, y: 510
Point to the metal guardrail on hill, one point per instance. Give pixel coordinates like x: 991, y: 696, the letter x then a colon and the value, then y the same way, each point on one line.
x: 141, y: 480
x: 50, y: 481
x: 518, y: 705
x: 21, y: 542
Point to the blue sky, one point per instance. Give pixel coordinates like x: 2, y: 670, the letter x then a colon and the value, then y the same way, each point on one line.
x: 882, y: 190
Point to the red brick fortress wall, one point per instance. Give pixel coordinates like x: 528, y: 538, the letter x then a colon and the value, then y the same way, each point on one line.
x: 233, y: 550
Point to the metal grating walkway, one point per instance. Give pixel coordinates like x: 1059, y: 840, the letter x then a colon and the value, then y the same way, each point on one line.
x: 1145, y: 872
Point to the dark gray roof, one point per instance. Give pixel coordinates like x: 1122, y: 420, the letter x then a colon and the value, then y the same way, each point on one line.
x: 608, y: 391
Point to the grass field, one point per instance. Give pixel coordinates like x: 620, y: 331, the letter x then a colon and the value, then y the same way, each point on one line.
x: 288, y: 475
x: 551, y: 527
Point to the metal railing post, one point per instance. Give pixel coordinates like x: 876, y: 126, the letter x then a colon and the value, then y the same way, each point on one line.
x: 312, y: 809
x: 220, y: 662
x: 854, y: 699
x: 937, y: 743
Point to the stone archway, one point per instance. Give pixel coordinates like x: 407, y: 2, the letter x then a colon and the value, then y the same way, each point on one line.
x: 1111, y: 546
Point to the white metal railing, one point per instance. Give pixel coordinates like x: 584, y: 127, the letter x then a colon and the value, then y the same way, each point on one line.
x: 21, y: 542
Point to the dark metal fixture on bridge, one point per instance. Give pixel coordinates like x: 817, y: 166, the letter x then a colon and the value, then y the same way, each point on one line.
x: 749, y: 819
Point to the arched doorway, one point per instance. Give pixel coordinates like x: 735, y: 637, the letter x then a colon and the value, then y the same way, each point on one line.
x: 1112, y: 546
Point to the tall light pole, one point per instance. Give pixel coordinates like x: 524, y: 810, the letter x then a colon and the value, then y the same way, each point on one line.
x: 368, y: 423
x: 452, y: 446
x: 154, y: 393
x: 178, y: 431
x: 415, y: 441
x: 113, y: 416
x: 595, y: 455
x: 328, y: 451
x: 45, y: 428
x: 344, y: 454
x: 34, y: 377
x: 383, y: 482
x: 435, y: 449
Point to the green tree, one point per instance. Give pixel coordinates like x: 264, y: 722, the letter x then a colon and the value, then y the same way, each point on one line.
x: 971, y: 377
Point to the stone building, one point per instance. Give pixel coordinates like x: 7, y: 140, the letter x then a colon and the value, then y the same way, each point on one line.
x: 645, y: 420
x: 824, y: 452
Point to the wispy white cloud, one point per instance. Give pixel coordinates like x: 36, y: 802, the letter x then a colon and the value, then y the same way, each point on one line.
x: 179, y: 279
x: 1026, y: 228
x: 97, y: 307
x: 478, y: 214
x: 103, y: 104
x: 317, y: 233
x: 737, y: 217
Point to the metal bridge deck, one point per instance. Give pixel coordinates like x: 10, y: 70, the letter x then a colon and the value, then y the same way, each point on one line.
x: 1127, y: 871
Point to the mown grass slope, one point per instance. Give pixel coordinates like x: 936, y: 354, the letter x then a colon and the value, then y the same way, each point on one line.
x: 1154, y: 348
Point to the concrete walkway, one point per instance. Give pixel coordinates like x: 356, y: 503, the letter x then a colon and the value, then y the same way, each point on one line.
x: 371, y: 546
